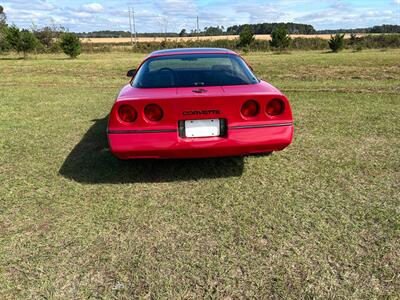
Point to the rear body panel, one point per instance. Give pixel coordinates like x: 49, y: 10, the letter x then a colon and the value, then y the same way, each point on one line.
x: 169, y: 145
x: 145, y: 139
x: 166, y: 138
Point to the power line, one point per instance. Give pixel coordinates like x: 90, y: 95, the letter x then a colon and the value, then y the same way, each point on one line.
x: 198, y: 30
x: 130, y: 24
x: 134, y: 25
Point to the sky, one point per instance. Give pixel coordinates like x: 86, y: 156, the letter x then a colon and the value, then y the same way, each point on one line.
x: 173, y: 15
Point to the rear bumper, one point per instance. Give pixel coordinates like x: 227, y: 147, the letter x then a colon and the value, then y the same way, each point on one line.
x: 239, y: 141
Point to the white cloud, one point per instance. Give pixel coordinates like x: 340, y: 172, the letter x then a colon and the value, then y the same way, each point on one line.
x: 266, y: 13
x: 81, y: 14
x: 33, y: 5
x: 175, y: 8
x: 93, y: 7
x: 173, y: 15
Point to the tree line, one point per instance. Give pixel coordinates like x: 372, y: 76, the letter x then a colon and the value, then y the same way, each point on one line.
x: 46, y: 39
x: 375, y: 29
x: 261, y: 28
x: 268, y: 28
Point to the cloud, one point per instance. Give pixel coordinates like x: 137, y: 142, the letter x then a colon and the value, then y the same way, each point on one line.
x: 345, y: 15
x: 173, y: 15
x: 93, y: 7
x: 176, y: 8
x: 33, y: 5
x: 81, y: 14
x: 262, y: 13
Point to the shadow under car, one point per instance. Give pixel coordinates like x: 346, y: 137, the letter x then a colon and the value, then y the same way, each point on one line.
x: 92, y: 162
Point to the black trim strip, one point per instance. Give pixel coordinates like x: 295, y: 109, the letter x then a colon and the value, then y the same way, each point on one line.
x: 261, y: 125
x: 174, y: 130
x: 141, y: 131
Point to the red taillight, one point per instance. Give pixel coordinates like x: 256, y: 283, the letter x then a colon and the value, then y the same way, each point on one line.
x: 275, y: 107
x: 127, y: 113
x: 250, y: 109
x: 153, y: 112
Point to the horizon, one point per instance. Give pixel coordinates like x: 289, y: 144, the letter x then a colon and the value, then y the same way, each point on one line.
x: 173, y: 15
x: 173, y: 32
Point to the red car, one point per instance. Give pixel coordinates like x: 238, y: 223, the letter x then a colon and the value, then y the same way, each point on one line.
x: 197, y: 102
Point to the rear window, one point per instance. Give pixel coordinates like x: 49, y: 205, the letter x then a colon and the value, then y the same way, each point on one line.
x: 193, y: 70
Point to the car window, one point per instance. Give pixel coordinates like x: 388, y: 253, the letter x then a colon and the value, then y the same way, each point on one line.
x: 191, y: 70
x: 188, y: 63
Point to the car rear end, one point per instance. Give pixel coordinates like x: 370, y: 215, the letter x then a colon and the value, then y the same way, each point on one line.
x: 211, y: 122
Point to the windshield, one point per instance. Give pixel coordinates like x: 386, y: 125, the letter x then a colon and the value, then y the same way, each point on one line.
x: 193, y: 70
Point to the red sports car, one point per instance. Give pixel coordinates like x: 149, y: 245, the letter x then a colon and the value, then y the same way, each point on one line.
x: 197, y: 102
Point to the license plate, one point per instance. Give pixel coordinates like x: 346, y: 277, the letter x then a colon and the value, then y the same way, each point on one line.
x: 202, y: 128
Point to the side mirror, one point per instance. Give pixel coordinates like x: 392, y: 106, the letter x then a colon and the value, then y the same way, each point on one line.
x: 131, y: 73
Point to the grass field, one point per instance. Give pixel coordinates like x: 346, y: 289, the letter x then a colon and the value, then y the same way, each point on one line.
x: 320, y: 219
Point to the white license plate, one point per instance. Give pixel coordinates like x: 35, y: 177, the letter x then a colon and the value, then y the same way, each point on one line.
x: 202, y: 128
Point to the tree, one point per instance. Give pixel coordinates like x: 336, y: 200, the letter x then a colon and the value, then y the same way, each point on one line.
x: 280, y: 39
x: 21, y: 40
x: 213, y: 31
x: 268, y: 28
x: 46, y: 35
x: 246, y: 37
x: 70, y: 44
x: 3, y: 31
x: 28, y: 42
x: 336, y: 43
x: 3, y: 16
x: 13, y: 37
x: 183, y: 32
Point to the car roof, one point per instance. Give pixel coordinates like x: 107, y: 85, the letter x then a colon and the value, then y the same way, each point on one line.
x: 191, y: 51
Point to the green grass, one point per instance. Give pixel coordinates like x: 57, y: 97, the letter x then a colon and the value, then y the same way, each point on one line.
x: 317, y: 220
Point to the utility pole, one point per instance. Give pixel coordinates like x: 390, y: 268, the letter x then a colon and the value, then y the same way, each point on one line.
x: 130, y: 24
x: 198, y: 30
x: 134, y: 25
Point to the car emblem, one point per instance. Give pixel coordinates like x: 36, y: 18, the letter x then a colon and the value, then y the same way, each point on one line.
x: 199, y: 91
x: 201, y: 112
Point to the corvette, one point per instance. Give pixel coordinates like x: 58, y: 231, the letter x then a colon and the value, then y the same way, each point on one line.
x: 200, y: 112
x: 197, y: 102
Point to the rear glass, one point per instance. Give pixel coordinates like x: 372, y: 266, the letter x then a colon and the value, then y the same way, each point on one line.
x: 193, y: 70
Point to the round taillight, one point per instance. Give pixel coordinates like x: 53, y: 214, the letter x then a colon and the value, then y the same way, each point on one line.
x: 153, y: 112
x: 127, y: 113
x: 275, y: 107
x: 250, y: 109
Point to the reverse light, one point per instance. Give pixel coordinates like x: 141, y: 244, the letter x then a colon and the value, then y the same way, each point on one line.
x: 250, y: 109
x: 275, y: 107
x: 127, y: 113
x: 153, y: 112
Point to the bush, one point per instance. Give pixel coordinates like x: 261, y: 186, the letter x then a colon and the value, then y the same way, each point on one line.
x: 336, y: 43
x: 361, y: 42
x: 21, y: 41
x: 28, y: 42
x: 380, y: 41
x: 47, y: 36
x: 280, y: 39
x: 70, y: 44
x: 13, y: 37
x: 4, y: 45
x: 309, y: 44
x: 246, y: 37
